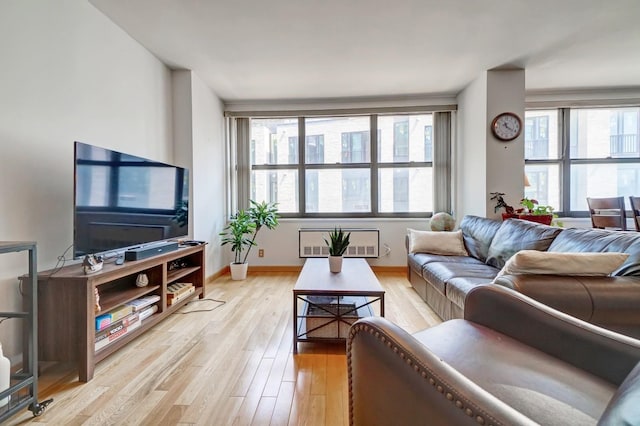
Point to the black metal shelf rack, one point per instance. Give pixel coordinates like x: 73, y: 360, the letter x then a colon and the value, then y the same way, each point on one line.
x: 23, y: 386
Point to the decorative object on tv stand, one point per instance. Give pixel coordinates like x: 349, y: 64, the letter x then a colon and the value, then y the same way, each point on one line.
x: 337, y: 243
x: 92, y: 263
x: 142, y: 280
x: 241, y: 233
x: 442, y: 221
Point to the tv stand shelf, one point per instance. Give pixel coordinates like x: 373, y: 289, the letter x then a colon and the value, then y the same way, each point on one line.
x: 67, y: 303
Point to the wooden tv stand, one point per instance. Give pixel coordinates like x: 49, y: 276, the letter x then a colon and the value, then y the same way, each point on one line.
x: 66, y: 303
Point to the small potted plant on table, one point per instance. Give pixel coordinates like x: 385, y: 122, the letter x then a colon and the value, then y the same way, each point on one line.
x: 534, y: 212
x: 337, y: 243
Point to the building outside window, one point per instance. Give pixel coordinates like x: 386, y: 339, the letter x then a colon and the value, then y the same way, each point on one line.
x: 355, y: 147
x: 602, y: 158
x: 428, y: 143
x: 315, y: 149
x: 345, y: 171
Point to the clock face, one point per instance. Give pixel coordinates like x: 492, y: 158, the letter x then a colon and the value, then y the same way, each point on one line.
x: 506, y: 126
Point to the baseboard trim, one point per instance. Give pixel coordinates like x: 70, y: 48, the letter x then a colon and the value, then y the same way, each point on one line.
x: 389, y: 269
x: 259, y: 269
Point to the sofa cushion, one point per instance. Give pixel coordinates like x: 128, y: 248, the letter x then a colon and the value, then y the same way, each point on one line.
x: 623, y: 409
x: 417, y: 261
x: 602, y: 240
x: 445, y: 243
x: 439, y: 273
x: 558, y: 263
x: 515, y: 235
x: 478, y: 232
x: 542, y: 387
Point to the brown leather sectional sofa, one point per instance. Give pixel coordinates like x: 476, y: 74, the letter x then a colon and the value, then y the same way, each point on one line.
x: 612, y: 302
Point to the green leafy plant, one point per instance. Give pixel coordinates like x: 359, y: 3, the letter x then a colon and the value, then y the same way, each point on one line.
x: 531, y: 206
x: 243, y: 228
x: 238, y: 234
x: 338, y: 242
x: 261, y: 214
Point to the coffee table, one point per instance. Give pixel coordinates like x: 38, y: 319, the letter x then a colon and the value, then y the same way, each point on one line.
x: 325, y: 304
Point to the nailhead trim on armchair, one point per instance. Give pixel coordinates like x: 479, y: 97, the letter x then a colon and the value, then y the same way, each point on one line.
x: 437, y: 383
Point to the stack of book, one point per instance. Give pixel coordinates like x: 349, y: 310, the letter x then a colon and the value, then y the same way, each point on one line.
x: 116, y: 330
x: 141, y: 303
x: 179, y: 291
x: 124, y: 319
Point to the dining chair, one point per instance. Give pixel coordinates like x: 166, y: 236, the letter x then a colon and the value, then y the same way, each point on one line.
x: 635, y: 210
x: 607, y: 212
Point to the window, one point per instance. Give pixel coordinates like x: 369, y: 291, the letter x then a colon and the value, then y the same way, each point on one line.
x: 401, y: 140
x: 315, y: 149
x: 602, y: 159
x: 536, y: 131
x: 366, y: 165
x: 355, y: 147
x: 428, y: 143
x: 624, y: 133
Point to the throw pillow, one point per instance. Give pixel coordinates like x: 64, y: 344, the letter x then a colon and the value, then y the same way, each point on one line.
x: 445, y: 243
x: 544, y: 262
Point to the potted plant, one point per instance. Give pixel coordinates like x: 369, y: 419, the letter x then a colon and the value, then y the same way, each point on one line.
x: 530, y: 210
x: 261, y: 214
x: 238, y: 234
x: 337, y: 243
x: 241, y: 233
x: 535, y: 212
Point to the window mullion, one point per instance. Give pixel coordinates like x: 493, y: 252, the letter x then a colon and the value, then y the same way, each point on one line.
x: 565, y: 166
x: 302, y: 164
x: 374, y: 163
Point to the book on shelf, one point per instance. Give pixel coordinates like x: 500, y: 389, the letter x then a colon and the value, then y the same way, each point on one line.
x: 148, y: 311
x: 143, y: 302
x: 179, y: 292
x: 113, y: 316
x: 116, y: 331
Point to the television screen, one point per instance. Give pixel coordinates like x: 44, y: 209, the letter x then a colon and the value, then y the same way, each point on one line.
x: 122, y: 201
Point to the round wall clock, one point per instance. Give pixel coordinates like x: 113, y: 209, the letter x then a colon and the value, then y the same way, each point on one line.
x: 506, y: 126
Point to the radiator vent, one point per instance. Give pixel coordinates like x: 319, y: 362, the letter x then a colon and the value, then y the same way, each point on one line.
x: 364, y: 242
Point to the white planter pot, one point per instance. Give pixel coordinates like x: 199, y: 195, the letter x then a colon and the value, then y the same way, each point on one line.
x: 335, y: 263
x: 238, y: 271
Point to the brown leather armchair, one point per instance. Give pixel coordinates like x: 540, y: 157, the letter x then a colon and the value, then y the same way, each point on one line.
x: 510, y: 361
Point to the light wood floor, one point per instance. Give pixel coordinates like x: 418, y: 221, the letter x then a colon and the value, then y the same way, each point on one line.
x: 232, y: 365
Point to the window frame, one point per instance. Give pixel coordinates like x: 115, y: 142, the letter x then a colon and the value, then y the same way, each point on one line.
x: 565, y: 162
x: 374, y: 165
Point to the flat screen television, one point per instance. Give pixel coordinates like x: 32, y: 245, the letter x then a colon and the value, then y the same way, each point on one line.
x: 123, y: 201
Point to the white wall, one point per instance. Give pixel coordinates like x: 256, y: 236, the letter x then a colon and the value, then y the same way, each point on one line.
x: 281, y: 244
x: 199, y: 145
x: 504, y: 160
x: 68, y: 73
x: 484, y: 164
x: 470, y: 152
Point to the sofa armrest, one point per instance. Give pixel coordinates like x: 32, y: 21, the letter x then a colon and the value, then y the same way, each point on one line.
x: 602, y: 352
x: 562, y: 292
x: 394, y: 379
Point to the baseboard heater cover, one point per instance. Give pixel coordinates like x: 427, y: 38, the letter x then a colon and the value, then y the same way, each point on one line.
x: 364, y: 242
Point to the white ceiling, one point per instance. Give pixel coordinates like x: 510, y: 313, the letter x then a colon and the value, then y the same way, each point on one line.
x: 315, y: 49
